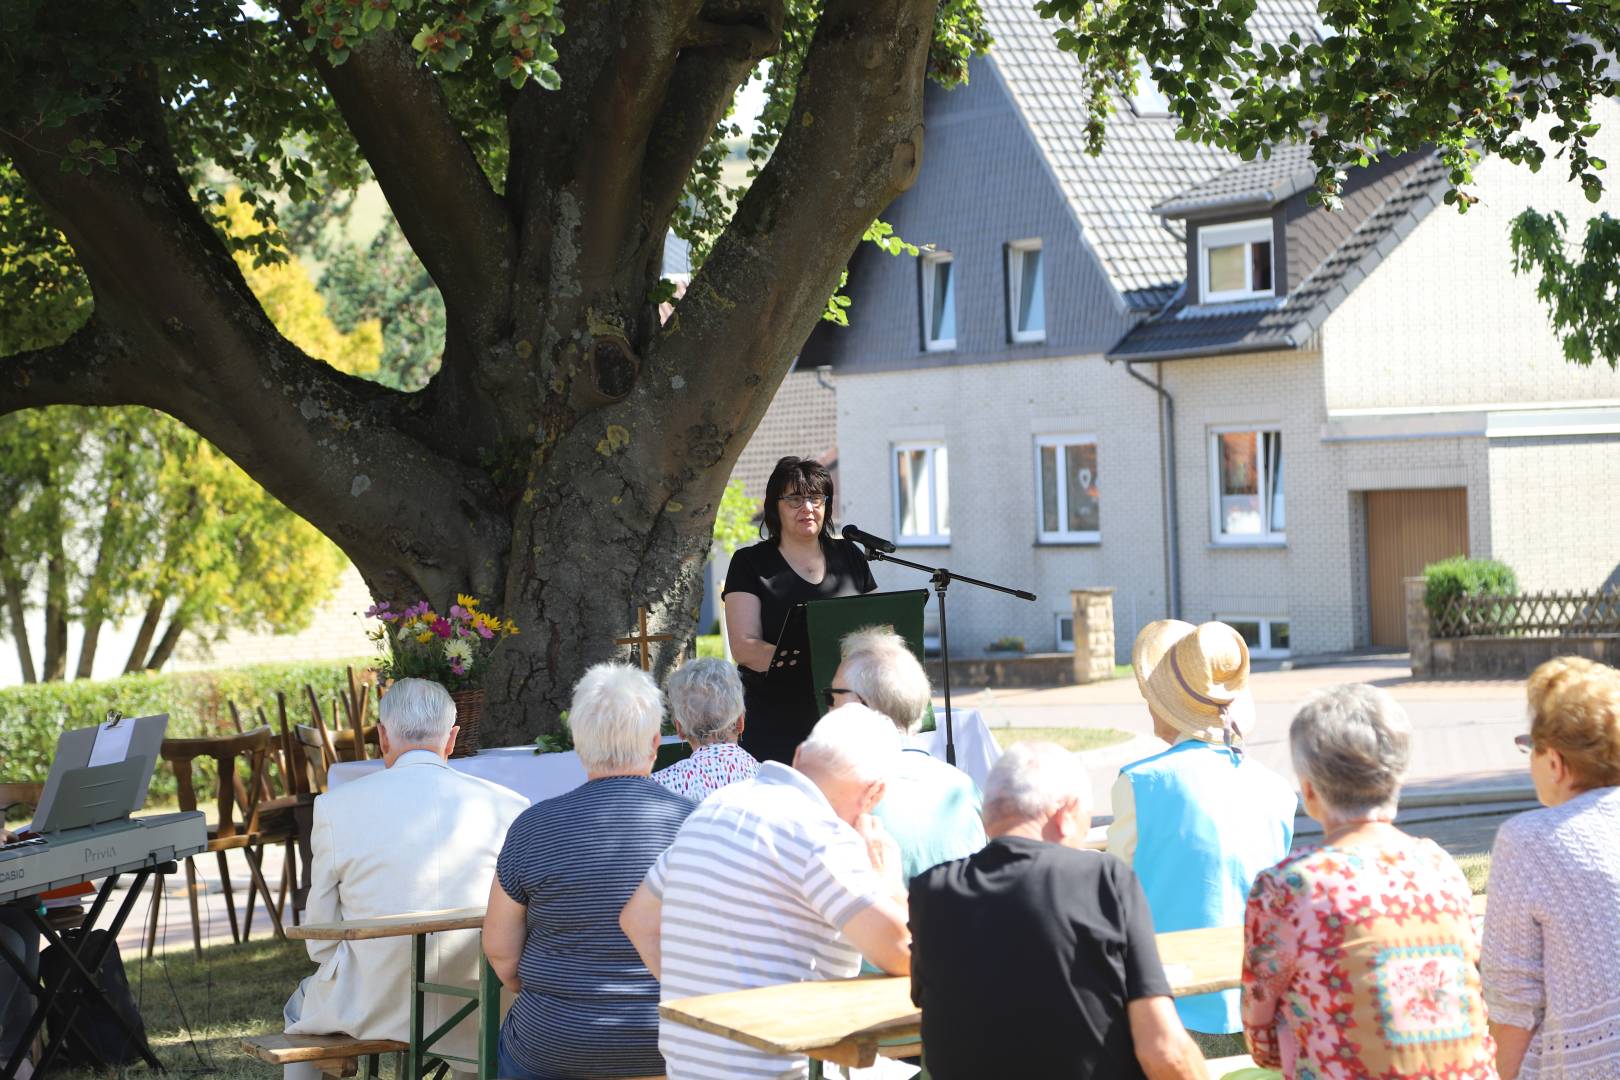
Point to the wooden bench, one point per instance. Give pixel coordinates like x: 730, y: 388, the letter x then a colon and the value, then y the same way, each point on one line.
x: 335, y: 1055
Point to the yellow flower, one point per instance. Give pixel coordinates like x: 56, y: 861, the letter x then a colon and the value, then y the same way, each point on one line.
x: 424, y: 637
x: 468, y: 602
x: 510, y: 629
x: 490, y: 621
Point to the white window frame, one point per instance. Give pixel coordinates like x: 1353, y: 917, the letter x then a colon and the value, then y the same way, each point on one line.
x: 929, y: 261
x: 1246, y: 233
x: 936, y: 537
x: 1265, y: 650
x: 1063, y: 644
x: 1015, y: 280
x: 1062, y: 535
x: 1268, y: 538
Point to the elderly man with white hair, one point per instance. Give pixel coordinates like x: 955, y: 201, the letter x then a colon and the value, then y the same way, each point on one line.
x: 1035, y: 957
x: 931, y: 808
x: 706, y: 705
x: 416, y: 836
x: 586, y: 1005
x: 782, y: 878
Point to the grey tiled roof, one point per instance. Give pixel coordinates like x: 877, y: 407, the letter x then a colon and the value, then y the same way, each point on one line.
x: 1253, y: 185
x: 1142, y: 163
x: 1395, y: 203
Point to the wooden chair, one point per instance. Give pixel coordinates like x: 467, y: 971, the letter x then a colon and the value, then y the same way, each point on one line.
x: 344, y: 742
x: 334, y: 1055
x: 225, y: 834
x: 318, y: 755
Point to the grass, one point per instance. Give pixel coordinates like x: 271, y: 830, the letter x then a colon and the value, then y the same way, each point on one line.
x: 709, y: 645
x: 1477, y: 869
x: 198, y: 1009
x: 1075, y: 738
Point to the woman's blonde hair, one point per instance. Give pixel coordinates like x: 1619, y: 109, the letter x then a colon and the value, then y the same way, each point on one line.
x: 1575, y: 709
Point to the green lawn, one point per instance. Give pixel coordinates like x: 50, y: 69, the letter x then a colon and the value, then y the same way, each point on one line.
x: 229, y: 993
x: 1477, y: 868
x: 1076, y: 738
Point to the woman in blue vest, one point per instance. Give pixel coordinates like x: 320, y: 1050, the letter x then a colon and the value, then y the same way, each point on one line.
x: 1200, y: 820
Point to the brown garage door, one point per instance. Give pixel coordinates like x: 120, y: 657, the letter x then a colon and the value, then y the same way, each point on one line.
x: 1406, y: 531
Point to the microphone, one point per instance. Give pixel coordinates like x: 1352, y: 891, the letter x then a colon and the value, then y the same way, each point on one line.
x: 876, y: 543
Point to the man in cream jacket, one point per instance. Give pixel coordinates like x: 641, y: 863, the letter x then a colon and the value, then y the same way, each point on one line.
x: 414, y: 837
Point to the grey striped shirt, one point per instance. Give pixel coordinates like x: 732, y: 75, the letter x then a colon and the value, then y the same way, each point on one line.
x: 755, y: 889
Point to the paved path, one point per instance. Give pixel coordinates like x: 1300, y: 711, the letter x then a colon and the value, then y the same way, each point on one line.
x: 1463, y: 729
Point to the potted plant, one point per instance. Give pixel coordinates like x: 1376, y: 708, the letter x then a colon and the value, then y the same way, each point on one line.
x: 452, y: 649
x: 1009, y: 643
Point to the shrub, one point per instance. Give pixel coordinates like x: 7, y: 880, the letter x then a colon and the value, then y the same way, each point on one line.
x: 1443, y: 581
x: 32, y: 716
x: 1010, y: 643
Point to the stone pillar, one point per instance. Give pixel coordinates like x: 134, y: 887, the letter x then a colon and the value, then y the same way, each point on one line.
x: 1418, y: 640
x: 1093, y: 634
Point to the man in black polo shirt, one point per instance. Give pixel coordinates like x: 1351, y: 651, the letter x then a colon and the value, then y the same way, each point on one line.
x: 1035, y: 958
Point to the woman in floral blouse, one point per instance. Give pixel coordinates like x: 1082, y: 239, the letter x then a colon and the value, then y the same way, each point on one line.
x: 1359, y: 954
x: 706, y: 703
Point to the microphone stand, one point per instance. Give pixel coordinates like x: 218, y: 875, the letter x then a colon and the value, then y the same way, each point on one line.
x: 941, y: 579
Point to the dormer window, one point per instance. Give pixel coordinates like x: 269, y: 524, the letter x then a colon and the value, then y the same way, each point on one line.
x: 938, y: 301
x: 1148, y: 99
x: 1234, y: 261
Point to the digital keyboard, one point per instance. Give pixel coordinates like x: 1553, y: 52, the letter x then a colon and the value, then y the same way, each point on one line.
x: 97, y: 851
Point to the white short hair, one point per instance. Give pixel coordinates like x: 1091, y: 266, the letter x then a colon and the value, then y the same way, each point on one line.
x: 417, y: 712
x: 1032, y: 780
x: 887, y: 675
x: 706, y: 700
x: 613, y: 717
x: 853, y: 742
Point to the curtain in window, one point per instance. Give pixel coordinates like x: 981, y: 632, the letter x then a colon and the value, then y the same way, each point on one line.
x: 1239, y: 483
x: 1080, y: 477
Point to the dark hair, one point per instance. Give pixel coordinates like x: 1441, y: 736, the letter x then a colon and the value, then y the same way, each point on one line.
x: 801, y: 476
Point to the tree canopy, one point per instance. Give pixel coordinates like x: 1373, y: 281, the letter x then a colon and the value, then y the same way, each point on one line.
x: 569, y: 454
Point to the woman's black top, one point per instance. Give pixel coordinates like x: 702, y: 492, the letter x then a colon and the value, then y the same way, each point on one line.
x: 775, y: 727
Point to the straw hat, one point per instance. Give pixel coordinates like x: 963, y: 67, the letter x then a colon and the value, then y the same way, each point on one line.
x: 1196, y: 678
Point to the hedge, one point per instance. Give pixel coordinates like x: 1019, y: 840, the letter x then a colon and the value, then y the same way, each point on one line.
x: 32, y: 716
x: 1458, y: 576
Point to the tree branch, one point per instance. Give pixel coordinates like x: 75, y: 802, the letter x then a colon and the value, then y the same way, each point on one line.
x: 455, y: 222
x: 852, y: 143
x: 724, y: 47
x: 176, y: 328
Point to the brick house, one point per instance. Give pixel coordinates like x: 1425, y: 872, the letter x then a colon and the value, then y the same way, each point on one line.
x: 1163, y: 370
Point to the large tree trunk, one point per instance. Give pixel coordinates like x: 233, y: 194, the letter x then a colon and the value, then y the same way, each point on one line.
x: 19, y: 628
x: 139, y: 651
x: 568, y: 458
x: 87, y: 647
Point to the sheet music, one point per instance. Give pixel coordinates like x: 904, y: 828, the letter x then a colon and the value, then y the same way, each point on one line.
x: 112, y: 743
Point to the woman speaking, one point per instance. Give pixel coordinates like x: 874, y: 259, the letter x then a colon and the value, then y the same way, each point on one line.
x: 798, y: 560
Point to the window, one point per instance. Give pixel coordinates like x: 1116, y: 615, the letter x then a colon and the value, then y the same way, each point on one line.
x: 1026, y: 291
x: 1065, y: 632
x: 1246, y: 480
x: 1066, y: 476
x: 1148, y: 100
x: 1266, y: 635
x: 938, y: 301
x: 1234, y: 261
x: 922, y: 500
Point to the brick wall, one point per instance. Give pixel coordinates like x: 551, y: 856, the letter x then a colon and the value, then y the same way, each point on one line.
x: 1553, y: 510
x: 337, y: 631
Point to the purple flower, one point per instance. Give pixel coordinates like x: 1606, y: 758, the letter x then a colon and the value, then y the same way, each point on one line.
x: 441, y: 626
x: 456, y: 668
x: 377, y: 611
x: 485, y: 632
x: 457, y: 611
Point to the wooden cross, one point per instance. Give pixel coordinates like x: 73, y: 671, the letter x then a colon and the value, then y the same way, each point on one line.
x: 642, y: 639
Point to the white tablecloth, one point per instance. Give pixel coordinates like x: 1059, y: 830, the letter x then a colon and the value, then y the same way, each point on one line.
x: 545, y: 776
x: 976, y: 748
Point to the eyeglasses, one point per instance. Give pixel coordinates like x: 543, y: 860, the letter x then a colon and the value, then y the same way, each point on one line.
x: 795, y: 501
x: 828, y: 694
x: 1525, y: 743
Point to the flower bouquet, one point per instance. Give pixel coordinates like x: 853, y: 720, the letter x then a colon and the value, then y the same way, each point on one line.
x: 452, y: 649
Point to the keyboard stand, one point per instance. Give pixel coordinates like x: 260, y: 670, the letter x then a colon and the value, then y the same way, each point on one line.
x: 87, y: 967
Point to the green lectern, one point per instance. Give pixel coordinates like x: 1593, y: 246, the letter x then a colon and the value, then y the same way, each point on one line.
x: 807, y: 652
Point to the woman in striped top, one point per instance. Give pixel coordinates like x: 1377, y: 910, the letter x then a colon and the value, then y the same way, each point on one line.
x: 586, y: 1005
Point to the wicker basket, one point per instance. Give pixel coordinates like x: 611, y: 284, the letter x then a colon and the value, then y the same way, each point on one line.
x: 469, y: 716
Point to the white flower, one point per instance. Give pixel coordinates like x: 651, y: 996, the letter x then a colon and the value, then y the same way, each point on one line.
x: 458, y: 649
